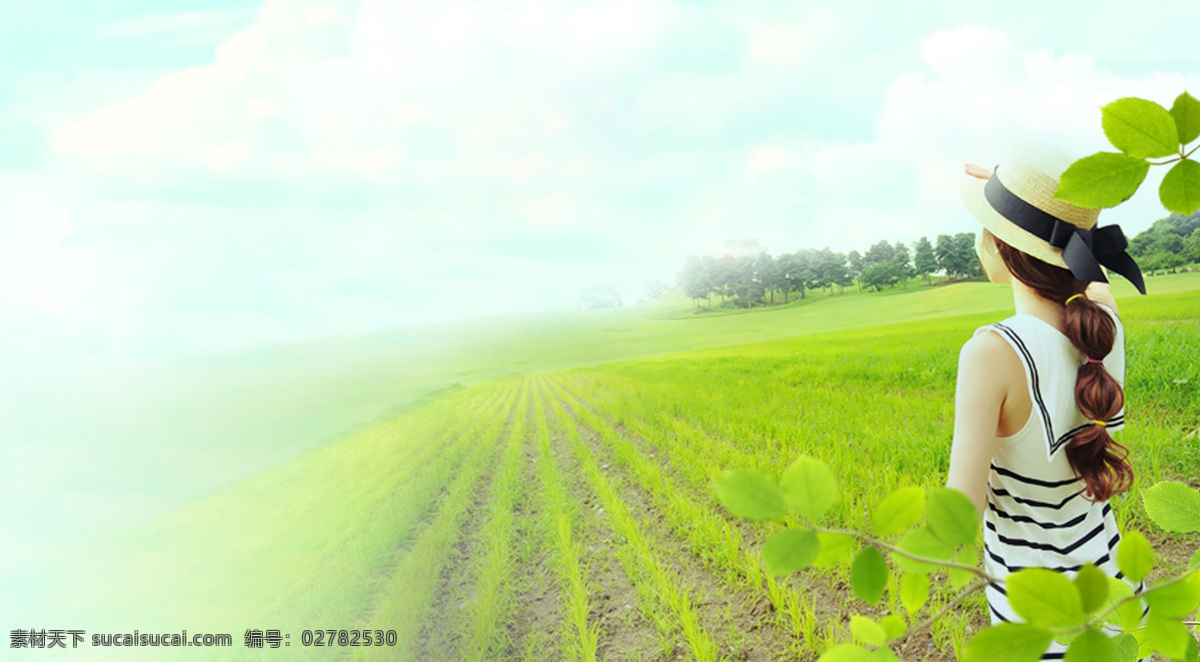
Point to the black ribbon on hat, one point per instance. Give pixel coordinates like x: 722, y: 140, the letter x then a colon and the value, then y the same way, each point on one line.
x: 1083, y: 250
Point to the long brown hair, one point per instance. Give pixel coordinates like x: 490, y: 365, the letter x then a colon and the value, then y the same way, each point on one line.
x: 1095, y: 456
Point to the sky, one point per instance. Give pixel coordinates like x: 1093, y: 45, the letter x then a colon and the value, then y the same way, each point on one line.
x: 227, y: 174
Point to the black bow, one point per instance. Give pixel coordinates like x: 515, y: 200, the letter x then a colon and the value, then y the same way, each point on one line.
x: 1083, y: 250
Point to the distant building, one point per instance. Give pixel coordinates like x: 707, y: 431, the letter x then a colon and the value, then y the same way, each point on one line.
x: 739, y: 248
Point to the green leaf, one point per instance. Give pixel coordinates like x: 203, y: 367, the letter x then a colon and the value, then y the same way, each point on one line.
x: 1093, y: 587
x: 1167, y: 635
x: 790, y: 550
x: 1127, y: 648
x: 914, y: 591
x: 1065, y: 638
x: 921, y: 542
x: 1174, y: 600
x: 1117, y: 591
x: 1192, y: 654
x: 1129, y: 614
x: 750, y: 495
x: 894, y: 625
x: 1141, y: 635
x: 898, y: 511
x: 968, y: 555
x: 809, y: 488
x: 1104, y: 179
x: 869, y: 575
x: 835, y: 548
x: 1140, y: 128
x: 845, y: 653
x: 1007, y: 642
x: 1044, y: 597
x: 1135, y: 557
x: 1186, y: 113
x: 952, y: 516
x: 1195, y: 562
x: 882, y: 655
x: 1090, y: 646
x: 1180, y: 189
x: 867, y: 631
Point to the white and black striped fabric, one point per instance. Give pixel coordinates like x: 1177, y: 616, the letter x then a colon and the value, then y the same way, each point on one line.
x: 1037, y: 515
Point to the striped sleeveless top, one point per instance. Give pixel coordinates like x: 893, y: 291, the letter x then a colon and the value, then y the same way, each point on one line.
x: 1037, y: 515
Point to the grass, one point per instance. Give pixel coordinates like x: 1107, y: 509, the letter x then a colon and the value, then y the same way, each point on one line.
x: 358, y: 533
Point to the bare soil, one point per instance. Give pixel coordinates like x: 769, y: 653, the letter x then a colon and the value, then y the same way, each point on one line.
x: 754, y: 612
x: 538, y: 602
x: 456, y: 589
x: 743, y: 621
x: 731, y: 615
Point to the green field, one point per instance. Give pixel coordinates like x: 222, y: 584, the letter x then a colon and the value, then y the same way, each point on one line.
x: 542, y: 490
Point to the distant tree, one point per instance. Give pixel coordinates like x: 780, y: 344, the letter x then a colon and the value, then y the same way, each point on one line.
x: 746, y: 285
x: 946, y: 254
x: 829, y: 269
x: 1170, y: 235
x: 879, y: 253
x: 842, y: 274
x: 769, y: 273
x: 655, y: 289
x: 1191, y: 247
x: 1172, y: 261
x: 809, y: 262
x: 884, y: 274
x: 968, y: 261
x: 855, y: 262
x: 1168, y: 242
x: 695, y: 279
x: 956, y: 255
x: 924, y: 259
x: 904, y: 269
x: 599, y: 296
x: 785, y: 263
x: 1163, y: 262
x: 794, y: 268
x: 710, y: 270
x: 725, y: 275
x: 815, y: 272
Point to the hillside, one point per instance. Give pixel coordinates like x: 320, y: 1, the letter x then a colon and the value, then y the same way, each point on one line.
x: 344, y: 382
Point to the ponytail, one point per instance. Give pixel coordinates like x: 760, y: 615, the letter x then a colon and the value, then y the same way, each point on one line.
x: 1096, y: 457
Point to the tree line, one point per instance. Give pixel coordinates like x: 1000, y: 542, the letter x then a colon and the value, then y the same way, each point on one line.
x: 749, y: 280
x: 1170, y: 243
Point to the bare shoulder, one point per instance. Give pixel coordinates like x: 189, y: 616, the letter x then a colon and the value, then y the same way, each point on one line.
x: 988, y: 353
x: 986, y: 346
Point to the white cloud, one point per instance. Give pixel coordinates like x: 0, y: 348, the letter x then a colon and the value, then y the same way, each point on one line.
x: 796, y: 42
x: 398, y: 91
x: 984, y: 95
x: 34, y: 265
x: 770, y: 158
x: 481, y: 120
x: 53, y: 301
x: 185, y: 28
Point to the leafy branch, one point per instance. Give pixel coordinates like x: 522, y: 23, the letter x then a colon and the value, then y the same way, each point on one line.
x: 909, y: 555
x: 1075, y: 611
x: 1140, y: 130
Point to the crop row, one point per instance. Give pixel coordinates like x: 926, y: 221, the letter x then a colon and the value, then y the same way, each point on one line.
x: 679, y: 482
x: 407, y: 594
x: 664, y: 600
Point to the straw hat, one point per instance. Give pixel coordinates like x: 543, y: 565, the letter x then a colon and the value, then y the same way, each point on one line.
x: 1017, y: 205
x: 1031, y: 173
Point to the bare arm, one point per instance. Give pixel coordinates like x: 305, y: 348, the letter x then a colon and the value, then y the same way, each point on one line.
x: 979, y: 394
